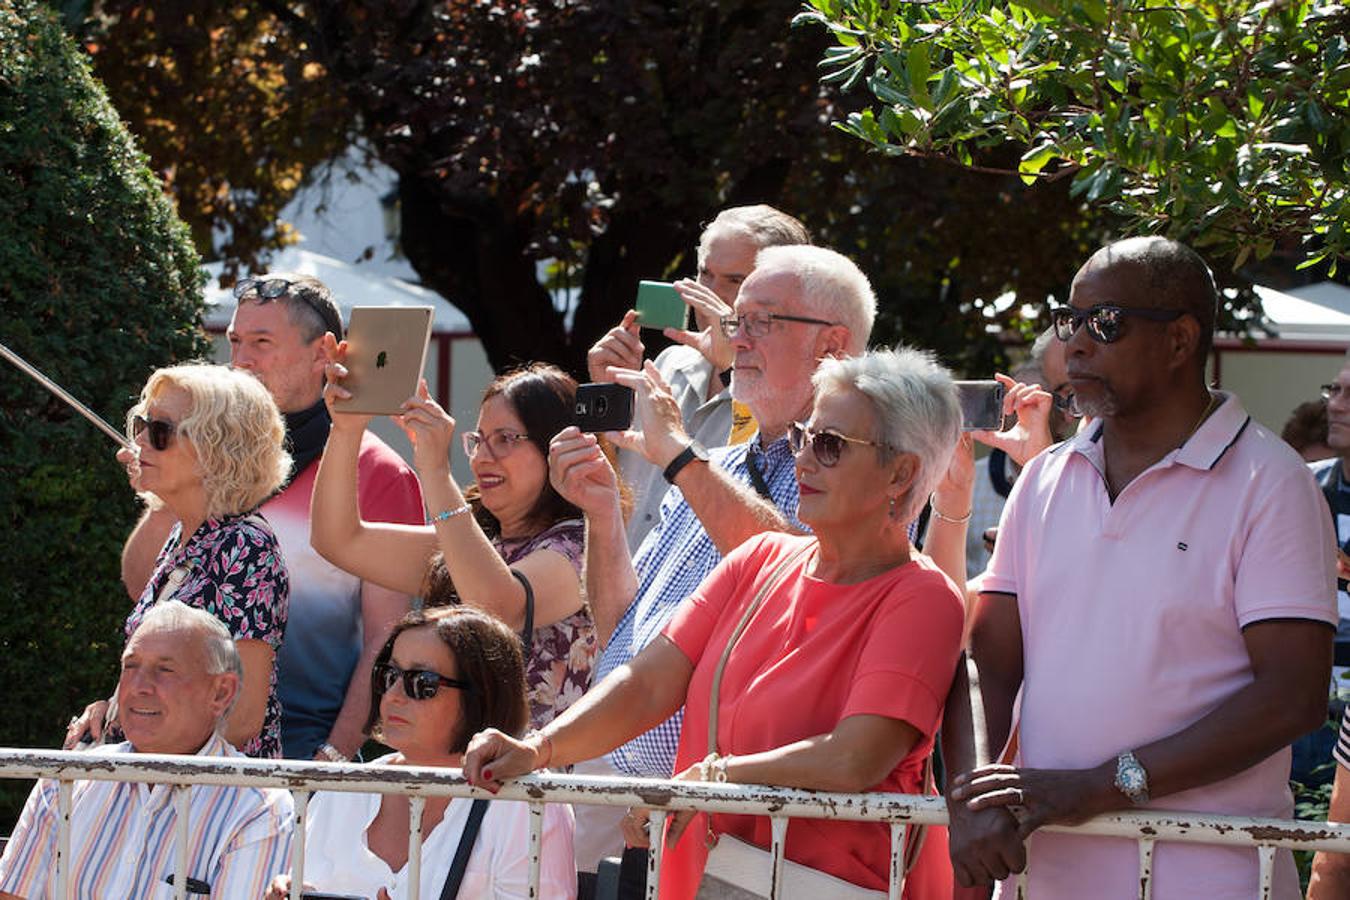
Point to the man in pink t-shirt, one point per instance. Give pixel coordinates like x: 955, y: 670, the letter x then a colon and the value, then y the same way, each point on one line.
x: 1155, y: 626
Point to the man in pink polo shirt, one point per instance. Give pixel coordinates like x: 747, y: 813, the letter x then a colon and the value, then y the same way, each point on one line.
x: 1155, y: 625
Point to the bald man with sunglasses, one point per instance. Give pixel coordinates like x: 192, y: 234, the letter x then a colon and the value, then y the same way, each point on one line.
x: 1160, y: 604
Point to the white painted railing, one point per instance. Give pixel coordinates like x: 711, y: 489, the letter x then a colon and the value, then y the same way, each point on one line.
x: 663, y: 797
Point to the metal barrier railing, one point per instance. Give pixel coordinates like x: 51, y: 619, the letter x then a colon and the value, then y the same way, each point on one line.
x: 663, y: 797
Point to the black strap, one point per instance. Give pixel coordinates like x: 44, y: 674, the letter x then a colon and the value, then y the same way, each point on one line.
x: 756, y: 475
x: 998, y: 472
x: 464, y: 850
x: 527, y: 633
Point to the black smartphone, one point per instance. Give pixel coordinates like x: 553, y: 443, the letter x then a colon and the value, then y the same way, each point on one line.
x: 603, y: 407
x: 981, y: 405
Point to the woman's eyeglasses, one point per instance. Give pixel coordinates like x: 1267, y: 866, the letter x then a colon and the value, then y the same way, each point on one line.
x: 499, y: 443
x: 826, y: 446
x: 1104, y: 321
x: 418, y: 684
x: 160, y: 431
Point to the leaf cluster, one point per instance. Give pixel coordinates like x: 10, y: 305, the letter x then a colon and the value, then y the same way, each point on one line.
x: 98, y: 283
x: 1222, y: 122
x: 229, y: 104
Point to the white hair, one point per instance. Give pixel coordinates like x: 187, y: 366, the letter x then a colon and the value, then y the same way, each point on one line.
x: 917, y: 407
x: 832, y: 287
x: 221, y: 654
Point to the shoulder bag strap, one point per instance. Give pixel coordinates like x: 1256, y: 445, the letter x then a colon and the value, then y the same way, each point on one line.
x: 769, y: 584
x: 464, y: 850
x: 527, y: 633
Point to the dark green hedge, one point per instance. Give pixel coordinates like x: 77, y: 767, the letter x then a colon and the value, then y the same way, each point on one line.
x: 99, y: 284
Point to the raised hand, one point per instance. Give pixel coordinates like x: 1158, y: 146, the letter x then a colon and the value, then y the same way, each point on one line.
x: 708, y: 312
x: 662, y: 436
x: 580, y: 472
x: 619, y: 348
x: 1032, y: 406
x: 430, y: 429
x: 333, y: 373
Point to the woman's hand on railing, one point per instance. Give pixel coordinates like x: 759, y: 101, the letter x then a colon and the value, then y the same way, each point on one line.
x: 88, y: 724
x: 636, y: 827
x: 494, y: 756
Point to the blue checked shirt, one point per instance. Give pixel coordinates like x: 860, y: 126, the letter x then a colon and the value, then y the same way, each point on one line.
x: 672, y: 560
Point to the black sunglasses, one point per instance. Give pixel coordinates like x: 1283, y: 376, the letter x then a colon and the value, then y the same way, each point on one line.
x: 826, y: 446
x: 161, y: 431
x: 1104, y: 321
x: 269, y: 289
x: 418, y: 684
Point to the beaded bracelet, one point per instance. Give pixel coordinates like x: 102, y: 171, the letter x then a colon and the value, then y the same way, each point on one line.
x: 446, y: 515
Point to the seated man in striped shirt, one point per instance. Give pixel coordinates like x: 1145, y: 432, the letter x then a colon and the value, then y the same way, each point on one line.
x: 180, y: 676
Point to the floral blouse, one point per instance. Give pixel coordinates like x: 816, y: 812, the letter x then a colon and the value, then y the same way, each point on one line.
x: 559, y: 670
x: 232, y: 568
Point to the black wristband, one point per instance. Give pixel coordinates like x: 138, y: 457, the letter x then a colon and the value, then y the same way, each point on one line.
x: 690, y: 453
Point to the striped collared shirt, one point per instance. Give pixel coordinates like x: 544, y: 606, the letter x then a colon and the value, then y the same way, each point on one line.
x: 674, y: 557
x: 123, y: 838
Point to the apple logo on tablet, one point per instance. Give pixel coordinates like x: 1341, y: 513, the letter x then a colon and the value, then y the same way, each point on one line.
x: 382, y: 359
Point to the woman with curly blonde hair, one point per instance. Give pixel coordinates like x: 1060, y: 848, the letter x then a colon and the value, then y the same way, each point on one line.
x: 209, y: 446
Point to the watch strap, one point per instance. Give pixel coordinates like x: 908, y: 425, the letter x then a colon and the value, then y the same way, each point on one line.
x: 694, y: 450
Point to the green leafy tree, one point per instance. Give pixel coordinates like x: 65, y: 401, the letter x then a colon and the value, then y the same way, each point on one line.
x: 98, y: 283
x: 1222, y: 122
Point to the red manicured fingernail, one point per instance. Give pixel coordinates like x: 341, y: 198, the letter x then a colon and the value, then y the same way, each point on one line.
x: 487, y: 774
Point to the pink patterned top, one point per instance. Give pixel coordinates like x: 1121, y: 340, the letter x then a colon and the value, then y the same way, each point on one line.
x: 559, y: 670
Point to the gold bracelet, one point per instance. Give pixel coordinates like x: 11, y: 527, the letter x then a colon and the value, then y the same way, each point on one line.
x: 932, y: 504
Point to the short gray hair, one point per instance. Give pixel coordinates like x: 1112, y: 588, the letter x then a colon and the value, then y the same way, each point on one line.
x: 832, y: 287
x: 222, y: 656
x: 917, y: 407
x: 761, y: 223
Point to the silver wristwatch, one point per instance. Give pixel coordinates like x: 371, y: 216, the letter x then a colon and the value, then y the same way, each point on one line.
x: 1131, y: 778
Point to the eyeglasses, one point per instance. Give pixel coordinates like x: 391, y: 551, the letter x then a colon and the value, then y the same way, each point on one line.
x: 1104, y: 321
x: 756, y: 325
x: 161, y: 431
x: 1332, y: 392
x: 418, y: 684
x: 269, y: 289
x: 826, y: 446
x: 499, y: 443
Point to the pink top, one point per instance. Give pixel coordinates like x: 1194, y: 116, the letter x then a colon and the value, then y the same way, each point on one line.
x: 1132, y: 617
x: 814, y: 654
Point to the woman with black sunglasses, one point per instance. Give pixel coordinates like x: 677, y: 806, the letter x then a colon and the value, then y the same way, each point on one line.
x: 817, y: 662
x: 442, y: 676
x: 208, y: 446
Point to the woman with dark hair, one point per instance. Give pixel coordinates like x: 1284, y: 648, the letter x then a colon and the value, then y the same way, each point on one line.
x: 442, y: 675
x: 506, y: 539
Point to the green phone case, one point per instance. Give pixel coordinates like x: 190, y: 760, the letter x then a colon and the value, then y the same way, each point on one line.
x: 659, y: 306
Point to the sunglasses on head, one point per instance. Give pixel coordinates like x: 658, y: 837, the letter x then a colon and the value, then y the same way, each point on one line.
x: 160, y: 431
x: 1104, y: 321
x: 418, y: 684
x: 268, y: 289
x: 826, y: 446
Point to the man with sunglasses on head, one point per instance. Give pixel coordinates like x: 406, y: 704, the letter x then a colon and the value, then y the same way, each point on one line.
x: 337, y: 623
x: 1159, y: 605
